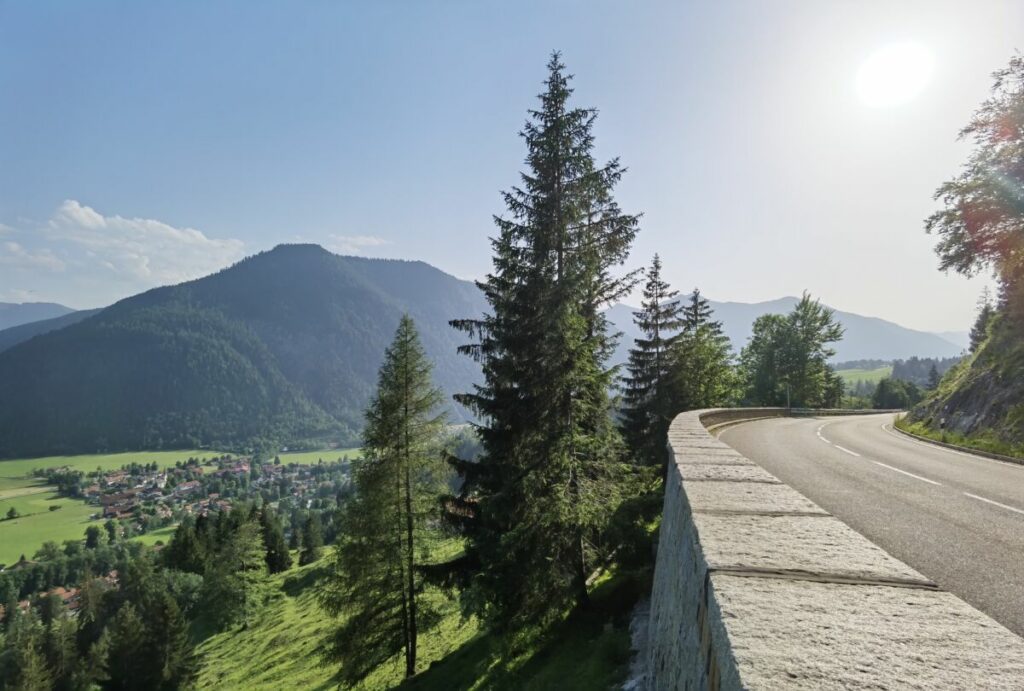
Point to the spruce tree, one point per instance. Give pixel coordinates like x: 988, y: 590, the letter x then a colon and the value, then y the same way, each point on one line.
x: 124, y: 642
x: 233, y: 571
x: 702, y: 373
x: 389, y: 526
x: 278, y: 557
x: 536, y: 506
x: 312, y: 540
x: 979, y: 331
x: 648, y: 402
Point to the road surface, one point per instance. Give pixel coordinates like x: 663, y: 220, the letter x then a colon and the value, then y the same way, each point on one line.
x: 955, y: 517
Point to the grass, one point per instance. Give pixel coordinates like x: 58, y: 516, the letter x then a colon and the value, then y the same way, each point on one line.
x: 37, y: 523
x: 852, y: 376
x: 984, y: 441
x: 33, y: 499
x: 312, y: 457
x: 163, y: 535
x: 280, y: 647
x: 19, y: 468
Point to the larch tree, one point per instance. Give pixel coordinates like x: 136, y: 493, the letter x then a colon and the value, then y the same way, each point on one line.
x: 536, y: 506
x: 648, y: 405
x: 389, y: 527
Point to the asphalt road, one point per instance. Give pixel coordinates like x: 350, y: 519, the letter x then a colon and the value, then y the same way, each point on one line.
x: 955, y: 517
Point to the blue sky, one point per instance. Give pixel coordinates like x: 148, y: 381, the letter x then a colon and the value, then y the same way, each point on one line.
x: 146, y: 143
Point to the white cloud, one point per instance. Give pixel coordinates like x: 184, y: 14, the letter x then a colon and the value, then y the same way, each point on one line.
x: 143, y: 251
x: 13, y: 254
x: 353, y: 244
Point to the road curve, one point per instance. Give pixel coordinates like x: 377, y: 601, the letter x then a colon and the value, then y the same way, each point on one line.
x: 955, y: 517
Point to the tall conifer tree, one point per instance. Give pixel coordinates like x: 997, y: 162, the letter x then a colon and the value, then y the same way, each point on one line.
x: 702, y: 359
x: 536, y: 505
x: 648, y: 401
x: 389, y: 526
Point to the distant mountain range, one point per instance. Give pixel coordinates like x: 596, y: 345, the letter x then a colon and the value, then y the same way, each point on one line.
x: 282, y: 347
x: 15, y: 314
x: 865, y: 338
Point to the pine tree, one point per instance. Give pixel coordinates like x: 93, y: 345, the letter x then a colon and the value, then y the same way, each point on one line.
x: 933, y: 377
x: 986, y: 311
x: 701, y: 368
x: 536, y: 506
x: 648, y: 403
x: 389, y: 525
x: 168, y: 650
x: 233, y: 572
x: 312, y: 540
x: 124, y: 638
x: 185, y: 552
x: 278, y: 557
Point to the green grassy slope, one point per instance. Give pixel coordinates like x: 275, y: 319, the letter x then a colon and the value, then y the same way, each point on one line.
x: 980, y: 401
x: 280, y: 648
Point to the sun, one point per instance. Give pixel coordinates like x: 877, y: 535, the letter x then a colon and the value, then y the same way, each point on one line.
x: 894, y: 74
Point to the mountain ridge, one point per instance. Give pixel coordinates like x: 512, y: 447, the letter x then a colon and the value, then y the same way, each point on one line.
x: 18, y: 313
x: 865, y: 338
x: 280, y: 347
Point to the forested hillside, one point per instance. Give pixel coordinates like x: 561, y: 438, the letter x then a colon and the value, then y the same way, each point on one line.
x: 279, y: 348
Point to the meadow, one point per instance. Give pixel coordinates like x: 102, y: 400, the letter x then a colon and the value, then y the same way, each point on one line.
x: 852, y: 376
x: 313, y: 457
x: 280, y: 647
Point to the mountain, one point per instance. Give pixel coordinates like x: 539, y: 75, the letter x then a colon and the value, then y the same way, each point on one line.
x: 14, y: 335
x: 282, y: 347
x: 961, y: 339
x: 14, y: 314
x: 865, y: 338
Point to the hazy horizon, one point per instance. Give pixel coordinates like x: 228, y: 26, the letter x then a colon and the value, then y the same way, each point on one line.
x: 147, y: 145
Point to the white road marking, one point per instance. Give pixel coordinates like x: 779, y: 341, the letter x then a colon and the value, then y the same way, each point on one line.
x: 994, y: 503
x: 821, y: 427
x: 916, y: 477
x: 852, y: 453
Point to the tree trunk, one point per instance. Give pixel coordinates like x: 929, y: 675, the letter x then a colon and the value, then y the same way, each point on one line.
x: 410, y: 654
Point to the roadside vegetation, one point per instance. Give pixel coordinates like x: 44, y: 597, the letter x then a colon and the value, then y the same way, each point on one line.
x: 980, y: 228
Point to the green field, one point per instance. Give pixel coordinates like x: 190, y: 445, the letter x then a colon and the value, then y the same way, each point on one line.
x: 36, y: 523
x: 32, y: 499
x: 163, y: 535
x: 107, y: 461
x: 312, y: 457
x: 852, y: 376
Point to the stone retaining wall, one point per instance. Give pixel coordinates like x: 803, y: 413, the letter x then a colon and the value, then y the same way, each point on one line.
x: 757, y: 587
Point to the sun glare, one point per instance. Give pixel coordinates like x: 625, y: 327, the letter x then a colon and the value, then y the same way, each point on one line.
x: 894, y: 74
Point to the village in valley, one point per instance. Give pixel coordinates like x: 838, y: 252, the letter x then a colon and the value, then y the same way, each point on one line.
x: 142, y: 503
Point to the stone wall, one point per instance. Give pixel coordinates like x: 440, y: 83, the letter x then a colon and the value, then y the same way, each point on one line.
x: 757, y: 587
